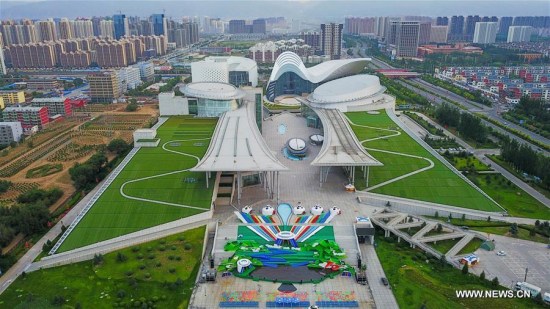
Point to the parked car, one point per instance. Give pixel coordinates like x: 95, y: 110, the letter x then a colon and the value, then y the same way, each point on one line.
x: 501, y: 253
x: 384, y: 281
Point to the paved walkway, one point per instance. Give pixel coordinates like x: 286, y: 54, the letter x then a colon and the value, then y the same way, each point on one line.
x: 383, y: 295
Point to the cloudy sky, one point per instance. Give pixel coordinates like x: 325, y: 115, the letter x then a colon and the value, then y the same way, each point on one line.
x: 324, y: 10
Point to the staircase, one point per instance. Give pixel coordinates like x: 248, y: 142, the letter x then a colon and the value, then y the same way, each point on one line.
x: 225, y: 189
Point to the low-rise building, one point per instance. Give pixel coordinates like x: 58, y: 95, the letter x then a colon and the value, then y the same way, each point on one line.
x: 28, y: 116
x: 10, y: 132
x: 146, y: 71
x: 12, y: 96
x: 171, y: 105
x: 104, y: 87
x: 42, y: 84
x: 56, y: 105
x: 448, y: 49
x: 238, y: 71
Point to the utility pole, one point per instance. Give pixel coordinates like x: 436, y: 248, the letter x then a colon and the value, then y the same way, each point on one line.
x: 526, y: 270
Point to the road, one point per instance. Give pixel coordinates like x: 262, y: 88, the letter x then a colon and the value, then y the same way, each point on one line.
x: 472, y: 107
x: 383, y: 295
x: 487, y: 111
x: 438, y: 100
x: 480, y: 154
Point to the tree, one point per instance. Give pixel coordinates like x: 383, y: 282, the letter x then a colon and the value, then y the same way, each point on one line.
x: 494, y: 282
x: 514, y: 229
x: 463, y: 217
x: 489, y: 219
x: 465, y: 269
x: 482, y: 275
x: 121, y: 257
x: 98, y: 259
x: 5, y: 185
x: 532, y: 232
x: 439, y: 228
x: 118, y: 146
x: 131, y: 107
x: 436, y: 215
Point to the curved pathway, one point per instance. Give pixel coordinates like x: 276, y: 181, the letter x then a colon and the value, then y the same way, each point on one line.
x: 395, y: 133
x: 165, y: 174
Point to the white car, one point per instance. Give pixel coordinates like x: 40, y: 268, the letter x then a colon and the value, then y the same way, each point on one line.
x: 501, y: 253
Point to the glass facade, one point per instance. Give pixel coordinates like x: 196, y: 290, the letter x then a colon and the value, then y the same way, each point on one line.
x: 193, y: 110
x: 238, y: 78
x: 289, y: 83
x: 214, y: 108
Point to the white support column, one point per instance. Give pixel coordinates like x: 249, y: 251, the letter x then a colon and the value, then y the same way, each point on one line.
x: 278, y: 188
x: 368, y: 170
x: 353, y: 175
x: 321, y: 177
x: 239, y: 180
x: 207, y: 180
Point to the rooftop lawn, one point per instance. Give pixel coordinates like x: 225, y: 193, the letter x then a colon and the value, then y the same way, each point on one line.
x: 115, y: 215
x: 160, y: 272
x: 438, y: 184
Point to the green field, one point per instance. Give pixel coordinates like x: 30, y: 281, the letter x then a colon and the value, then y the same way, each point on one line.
x: 160, y: 273
x: 438, y: 184
x: 417, y: 284
x: 115, y: 215
x: 444, y: 245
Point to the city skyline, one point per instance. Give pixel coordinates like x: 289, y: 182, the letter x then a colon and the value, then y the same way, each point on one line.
x: 290, y: 9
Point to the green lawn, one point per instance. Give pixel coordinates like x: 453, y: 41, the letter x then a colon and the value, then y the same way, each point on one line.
x: 472, y: 246
x: 462, y: 164
x: 498, y: 228
x: 444, y: 245
x: 148, y: 274
x: 509, y: 168
x: 114, y: 215
x: 517, y: 202
x: 416, y: 283
x: 437, y: 185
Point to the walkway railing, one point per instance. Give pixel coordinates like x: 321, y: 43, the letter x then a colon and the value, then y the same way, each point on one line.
x: 101, y: 190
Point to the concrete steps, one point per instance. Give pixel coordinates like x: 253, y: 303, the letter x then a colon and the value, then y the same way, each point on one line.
x: 459, y: 245
x: 439, y: 237
x: 429, y: 226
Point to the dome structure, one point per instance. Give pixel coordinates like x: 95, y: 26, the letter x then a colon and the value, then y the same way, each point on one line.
x: 212, y: 90
x: 353, y: 93
x: 290, y: 75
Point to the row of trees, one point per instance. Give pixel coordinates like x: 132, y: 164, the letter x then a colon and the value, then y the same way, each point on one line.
x: 475, y: 96
x: 467, y: 124
x: 523, y: 158
x: 87, y: 175
x: 29, y: 216
x: 403, y: 93
x: 533, y: 109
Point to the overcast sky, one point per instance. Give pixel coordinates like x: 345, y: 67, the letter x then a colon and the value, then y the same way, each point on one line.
x: 322, y: 10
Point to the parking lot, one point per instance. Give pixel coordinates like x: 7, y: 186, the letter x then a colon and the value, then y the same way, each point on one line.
x: 520, y: 254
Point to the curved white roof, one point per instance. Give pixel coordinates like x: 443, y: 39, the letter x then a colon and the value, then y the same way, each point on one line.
x: 212, y: 90
x: 347, y: 89
x: 291, y: 62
